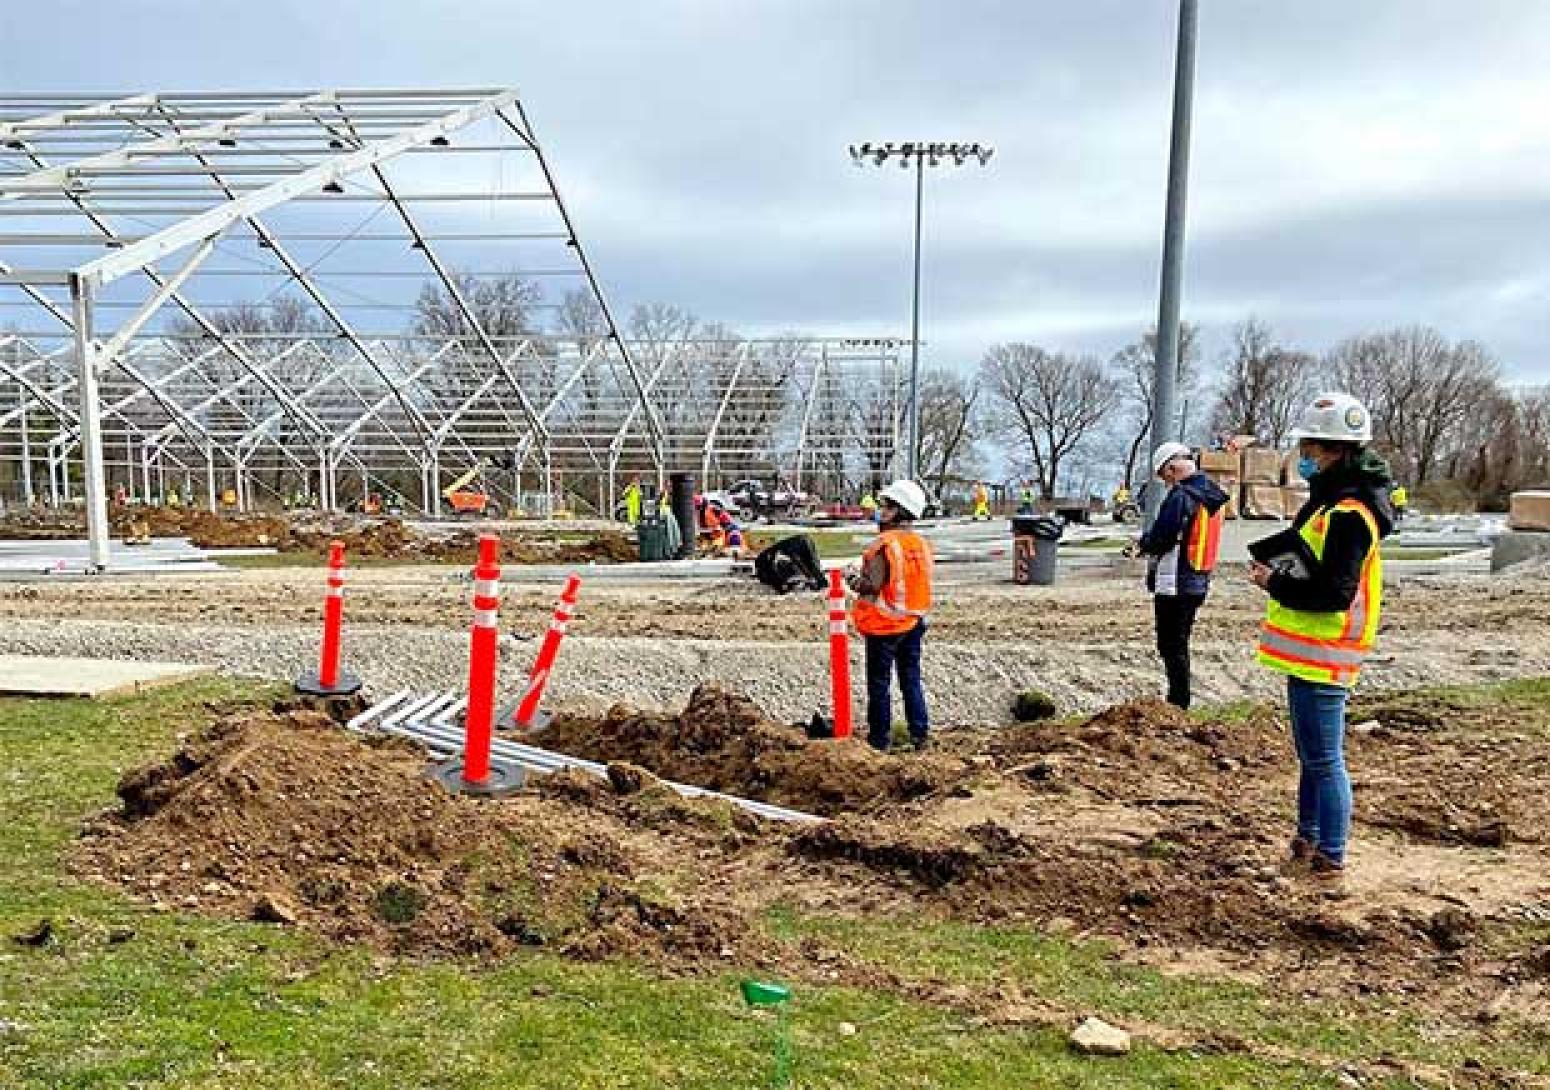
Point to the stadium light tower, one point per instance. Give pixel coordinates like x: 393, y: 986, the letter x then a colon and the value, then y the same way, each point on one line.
x: 920, y: 155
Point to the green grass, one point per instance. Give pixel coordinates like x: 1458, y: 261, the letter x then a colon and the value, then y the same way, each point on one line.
x: 831, y: 544
x: 193, y: 1001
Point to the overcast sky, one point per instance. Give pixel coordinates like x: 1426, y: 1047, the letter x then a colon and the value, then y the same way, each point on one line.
x: 1357, y: 164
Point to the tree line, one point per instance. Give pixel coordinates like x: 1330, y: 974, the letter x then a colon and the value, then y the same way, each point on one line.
x: 1442, y: 414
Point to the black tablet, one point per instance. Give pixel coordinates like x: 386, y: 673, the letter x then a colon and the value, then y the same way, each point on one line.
x: 1285, y: 552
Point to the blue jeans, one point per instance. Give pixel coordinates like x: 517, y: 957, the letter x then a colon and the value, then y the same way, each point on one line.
x: 1324, y: 790
x: 882, y: 654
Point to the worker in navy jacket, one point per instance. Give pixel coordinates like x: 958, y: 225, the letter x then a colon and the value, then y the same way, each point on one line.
x: 1181, y: 548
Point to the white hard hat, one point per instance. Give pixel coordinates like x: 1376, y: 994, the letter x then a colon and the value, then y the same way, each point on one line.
x: 1335, y: 416
x: 1167, y: 453
x: 908, y: 495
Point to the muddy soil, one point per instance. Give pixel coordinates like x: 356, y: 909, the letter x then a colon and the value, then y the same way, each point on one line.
x: 722, y: 741
x: 1161, y: 833
x: 313, y: 533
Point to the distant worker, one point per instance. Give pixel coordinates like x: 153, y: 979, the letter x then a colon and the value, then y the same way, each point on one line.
x: 1121, y: 495
x: 1323, y: 614
x: 1025, y: 501
x: 632, y: 500
x: 981, y: 501
x: 1181, y: 550
x: 869, y: 506
x: 892, y: 584
x: 174, y: 497
x: 1400, y: 498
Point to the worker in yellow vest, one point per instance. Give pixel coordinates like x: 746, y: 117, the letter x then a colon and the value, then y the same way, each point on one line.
x: 1325, y: 602
x: 981, y: 501
x: 1181, y: 549
x: 632, y: 501
x: 893, y: 596
x: 1400, y: 498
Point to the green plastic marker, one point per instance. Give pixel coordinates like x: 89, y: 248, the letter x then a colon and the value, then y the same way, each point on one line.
x: 759, y: 993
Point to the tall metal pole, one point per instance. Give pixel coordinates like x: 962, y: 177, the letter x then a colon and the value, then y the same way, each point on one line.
x: 1165, y: 380
x: 91, y: 425
x: 912, y: 462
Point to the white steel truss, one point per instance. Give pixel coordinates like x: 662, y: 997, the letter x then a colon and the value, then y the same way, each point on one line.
x: 337, y: 293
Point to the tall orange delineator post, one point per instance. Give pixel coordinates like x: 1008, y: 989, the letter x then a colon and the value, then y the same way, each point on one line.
x: 474, y: 773
x: 839, y: 655
x: 527, y: 716
x: 329, y: 680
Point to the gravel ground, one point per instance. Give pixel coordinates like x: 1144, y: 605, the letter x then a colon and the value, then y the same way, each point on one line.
x: 969, y: 683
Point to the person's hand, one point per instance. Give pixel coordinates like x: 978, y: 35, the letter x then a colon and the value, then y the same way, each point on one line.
x: 1259, y: 574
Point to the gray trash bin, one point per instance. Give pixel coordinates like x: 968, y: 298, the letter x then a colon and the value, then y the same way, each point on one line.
x: 1035, y: 549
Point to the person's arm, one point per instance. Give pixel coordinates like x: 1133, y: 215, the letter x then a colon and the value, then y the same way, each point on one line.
x: 1165, y: 532
x: 873, y: 576
x: 1332, y: 586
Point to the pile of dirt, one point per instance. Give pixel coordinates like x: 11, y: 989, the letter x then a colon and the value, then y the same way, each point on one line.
x: 286, y: 818
x: 723, y: 741
x: 42, y: 524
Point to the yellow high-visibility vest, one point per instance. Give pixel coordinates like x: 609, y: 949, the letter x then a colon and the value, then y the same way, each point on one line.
x: 1327, y: 647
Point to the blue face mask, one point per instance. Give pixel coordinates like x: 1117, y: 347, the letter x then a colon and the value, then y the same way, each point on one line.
x: 1307, y: 467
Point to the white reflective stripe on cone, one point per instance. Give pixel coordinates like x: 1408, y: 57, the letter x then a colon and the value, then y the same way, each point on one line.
x: 335, y: 592
x: 487, y: 588
x: 557, y: 626
x: 485, y: 618
x: 837, y: 628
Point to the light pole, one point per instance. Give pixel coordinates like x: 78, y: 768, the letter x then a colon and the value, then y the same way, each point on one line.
x: 921, y: 155
x: 1167, y: 358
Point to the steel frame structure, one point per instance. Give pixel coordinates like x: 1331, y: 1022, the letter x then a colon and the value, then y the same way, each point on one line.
x: 344, y: 292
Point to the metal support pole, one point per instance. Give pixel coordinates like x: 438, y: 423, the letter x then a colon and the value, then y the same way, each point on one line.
x: 1166, y: 377
x: 91, y: 425
x: 210, y: 479
x: 27, y: 497
x: 913, y: 459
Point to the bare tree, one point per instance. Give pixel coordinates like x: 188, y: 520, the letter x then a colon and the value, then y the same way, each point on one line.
x: 504, y: 309
x: 1136, y: 367
x: 949, y: 426
x: 1046, y: 404
x: 1421, y: 391
x: 270, y: 335
x: 1265, y: 386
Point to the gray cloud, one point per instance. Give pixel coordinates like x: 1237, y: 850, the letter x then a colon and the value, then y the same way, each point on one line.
x: 1355, y: 165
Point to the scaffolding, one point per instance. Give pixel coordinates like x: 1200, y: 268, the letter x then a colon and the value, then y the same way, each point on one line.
x: 344, y: 293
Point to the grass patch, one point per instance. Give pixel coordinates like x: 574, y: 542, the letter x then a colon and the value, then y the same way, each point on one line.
x: 124, y: 996
x: 831, y: 544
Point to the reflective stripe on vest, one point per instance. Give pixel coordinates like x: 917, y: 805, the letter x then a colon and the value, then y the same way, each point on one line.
x: 1205, y: 538
x: 906, y: 598
x: 1327, y: 646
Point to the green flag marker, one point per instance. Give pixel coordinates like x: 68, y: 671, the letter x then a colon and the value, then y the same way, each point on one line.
x: 759, y: 993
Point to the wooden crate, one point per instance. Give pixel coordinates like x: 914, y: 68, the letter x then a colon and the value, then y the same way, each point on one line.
x: 1529, y: 511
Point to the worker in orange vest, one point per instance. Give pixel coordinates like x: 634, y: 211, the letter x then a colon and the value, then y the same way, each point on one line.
x: 892, y: 584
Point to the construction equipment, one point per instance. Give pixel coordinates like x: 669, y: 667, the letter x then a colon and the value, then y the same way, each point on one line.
x: 470, y: 502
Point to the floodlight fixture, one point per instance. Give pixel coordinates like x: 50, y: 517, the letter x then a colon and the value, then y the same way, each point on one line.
x: 919, y: 154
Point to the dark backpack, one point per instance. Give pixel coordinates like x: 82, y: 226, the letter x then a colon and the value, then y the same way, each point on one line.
x: 790, y: 564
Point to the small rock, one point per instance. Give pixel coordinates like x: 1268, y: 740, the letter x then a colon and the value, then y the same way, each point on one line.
x: 1097, y: 1038
x: 273, y: 908
x: 847, y: 1029
x: 1348, y: 1080
x: 11, y: 1028
x: 1366, y: 726
x: 119, y: 935
x: 1226, y: 764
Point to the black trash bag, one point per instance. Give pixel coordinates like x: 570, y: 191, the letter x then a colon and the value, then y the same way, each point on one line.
x: 790, y: 564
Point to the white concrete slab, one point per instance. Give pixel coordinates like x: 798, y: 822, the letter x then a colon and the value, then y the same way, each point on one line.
x: 22, y: 675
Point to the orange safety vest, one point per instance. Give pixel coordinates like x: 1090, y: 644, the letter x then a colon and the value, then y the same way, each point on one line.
x: 1204, y: 539
x: 1327, y: 647
x: 905, y: 599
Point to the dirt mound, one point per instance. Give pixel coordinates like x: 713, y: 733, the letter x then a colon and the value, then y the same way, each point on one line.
x: 724, y: 742
x: 286, y: 818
